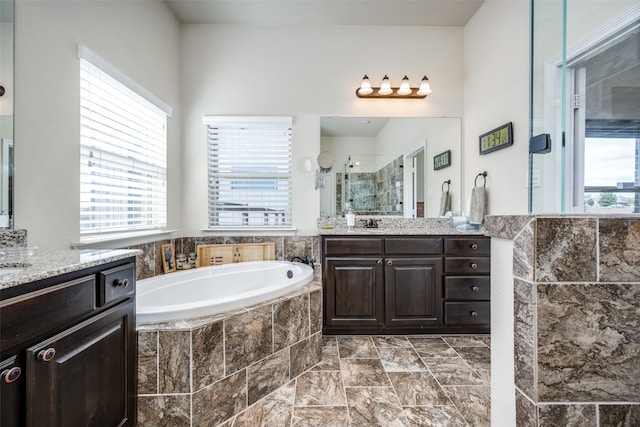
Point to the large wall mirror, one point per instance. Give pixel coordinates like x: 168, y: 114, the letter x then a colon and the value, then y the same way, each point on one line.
x: 6, y: 113
x: 390, y: 166
x: 586, y: 96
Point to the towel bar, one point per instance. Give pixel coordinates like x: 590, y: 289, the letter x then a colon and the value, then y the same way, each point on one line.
x: 484, y: 177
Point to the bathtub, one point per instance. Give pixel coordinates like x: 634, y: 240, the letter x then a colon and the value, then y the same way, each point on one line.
x: 211, y: 290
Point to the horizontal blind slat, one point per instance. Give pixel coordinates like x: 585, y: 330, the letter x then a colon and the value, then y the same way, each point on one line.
x: 122, y: 157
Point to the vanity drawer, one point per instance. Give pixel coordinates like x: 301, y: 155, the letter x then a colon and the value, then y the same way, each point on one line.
x: 470, y: 246
x: 116, y: 284
x: 353, y: 246
x: 467, y: 288
x: 49, y: 308
x: 413, y: 246
x: 467, y: 265
x: 467, y: 313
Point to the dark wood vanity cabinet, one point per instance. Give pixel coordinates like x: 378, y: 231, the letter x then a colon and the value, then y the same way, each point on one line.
x: 68, y: 353
x: 405, y: 284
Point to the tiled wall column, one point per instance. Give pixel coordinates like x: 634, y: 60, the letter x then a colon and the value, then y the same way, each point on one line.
x: 577, y: 320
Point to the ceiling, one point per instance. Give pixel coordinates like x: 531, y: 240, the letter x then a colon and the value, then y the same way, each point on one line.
x: 326, y: 12
x: 368, y: 127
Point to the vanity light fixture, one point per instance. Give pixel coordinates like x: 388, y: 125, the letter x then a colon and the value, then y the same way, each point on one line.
x: 387, y: 91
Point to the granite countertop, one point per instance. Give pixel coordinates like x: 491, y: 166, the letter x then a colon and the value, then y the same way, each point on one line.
x: 395, y: 226
x: 342, y: 231
x: 19, y: 266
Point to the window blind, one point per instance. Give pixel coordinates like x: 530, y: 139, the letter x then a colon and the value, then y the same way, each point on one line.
x: 249, y: 170
x: 123, y: 157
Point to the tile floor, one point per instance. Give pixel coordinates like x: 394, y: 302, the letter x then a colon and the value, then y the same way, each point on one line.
x: 385, y: 381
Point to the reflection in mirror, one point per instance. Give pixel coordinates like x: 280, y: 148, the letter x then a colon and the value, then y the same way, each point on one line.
x: 586, y: 96
x: 6, y: 113
x: 384, y: 166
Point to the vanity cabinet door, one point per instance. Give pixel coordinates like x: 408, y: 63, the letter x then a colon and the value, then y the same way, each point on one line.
x: 413, y: 291
x: 11, y: 393
x: 81, y: 377
x: 353, y: 295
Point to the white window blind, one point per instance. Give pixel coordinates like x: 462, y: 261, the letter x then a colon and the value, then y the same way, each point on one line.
x: 123, y: 156
x: 249, y: 169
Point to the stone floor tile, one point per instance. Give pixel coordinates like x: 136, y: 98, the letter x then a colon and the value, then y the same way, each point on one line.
x: 375, y: 406
x: 356, y: 348
x: 453, y: 371
x: 400, y: 359
x: 418, y: 388
x: 473, y: 402
x: 434, y: 416
x: 364, y: 373
x: 320, y: 388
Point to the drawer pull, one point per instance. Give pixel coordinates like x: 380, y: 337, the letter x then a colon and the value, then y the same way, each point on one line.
x: 121, y: 283
x: 474, y: 288
x: 389, y: 262
x: 473, y: 265
x: 473, y: 313
x: 47, y: 355
x: 474, y: 246
x: 10, y: 375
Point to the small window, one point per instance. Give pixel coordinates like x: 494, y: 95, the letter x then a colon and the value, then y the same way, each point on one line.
x: 123, y: 153
x: 249, y: 171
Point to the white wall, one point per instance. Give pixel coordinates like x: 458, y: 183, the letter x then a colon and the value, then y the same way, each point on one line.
x: 138, y: 38
x: 306, y: 72
x: 496, y: 91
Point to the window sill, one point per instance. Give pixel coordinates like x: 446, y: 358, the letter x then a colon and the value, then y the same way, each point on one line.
x: 249, y: 231
x: 121, y: 240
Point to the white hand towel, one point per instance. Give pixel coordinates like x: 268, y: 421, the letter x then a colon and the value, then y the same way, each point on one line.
x: 478, y: 206
x: 445, y: 203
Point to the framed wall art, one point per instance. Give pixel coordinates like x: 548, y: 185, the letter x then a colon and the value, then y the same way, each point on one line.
x: 442, y: 160
x: 496, y: 139
x: 168, y: 258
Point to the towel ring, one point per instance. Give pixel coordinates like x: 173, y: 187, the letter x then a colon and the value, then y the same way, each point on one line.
x: 484, y: 177
x: 448, y: 182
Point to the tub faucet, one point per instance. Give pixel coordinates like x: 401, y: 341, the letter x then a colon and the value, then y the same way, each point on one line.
x: 304, y: 260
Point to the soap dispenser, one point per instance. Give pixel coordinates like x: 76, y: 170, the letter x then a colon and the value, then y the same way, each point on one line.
x: 351, y: 221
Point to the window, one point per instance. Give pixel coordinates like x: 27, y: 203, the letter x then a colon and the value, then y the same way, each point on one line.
x: 249, y: 171
x: 123, y: 152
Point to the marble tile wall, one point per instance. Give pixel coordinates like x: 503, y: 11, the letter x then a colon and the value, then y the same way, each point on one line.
x: 149, y: 264
x: 376, y: 193
x: 206, y: 371
x: 577, y: 319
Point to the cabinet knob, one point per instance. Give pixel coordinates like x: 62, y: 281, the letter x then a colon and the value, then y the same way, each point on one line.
x: 389, y: 262
x: 121, y: 283
x: 47, y: 354
x: 473, y: 265
x: 10, y: 375
x: 474, y: 246
x: 379, y: 262
x: 473, y: 314
x: 474, y: 288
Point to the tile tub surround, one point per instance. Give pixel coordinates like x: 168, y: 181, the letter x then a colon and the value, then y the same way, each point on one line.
x: 577, y: 318
x: 149, y: 264
x: 204, y: 371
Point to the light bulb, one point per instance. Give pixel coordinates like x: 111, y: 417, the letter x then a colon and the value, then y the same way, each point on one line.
x: 425, y: 89
x: 385, y: 87
x: 365, y: 86
x: 405, y: 87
